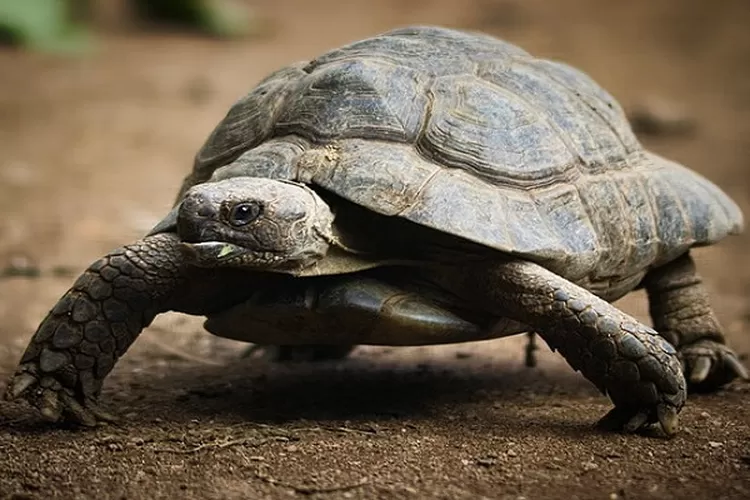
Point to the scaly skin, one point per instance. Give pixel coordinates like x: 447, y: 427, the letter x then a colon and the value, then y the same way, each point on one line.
x: 681, y: 311
x: 95, y: 322
x: 632, y: 363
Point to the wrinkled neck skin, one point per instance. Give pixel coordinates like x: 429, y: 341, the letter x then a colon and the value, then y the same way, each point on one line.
x: 202, y: 291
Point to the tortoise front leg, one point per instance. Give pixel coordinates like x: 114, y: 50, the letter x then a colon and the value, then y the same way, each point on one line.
x: 681, y: 312
x: 95, y: 322
x: 637, y: 368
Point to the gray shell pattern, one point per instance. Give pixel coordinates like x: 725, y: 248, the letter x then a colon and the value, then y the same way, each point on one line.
x: 472, y: 136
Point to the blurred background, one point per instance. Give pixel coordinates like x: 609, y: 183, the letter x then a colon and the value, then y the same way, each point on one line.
x: 103, y: 104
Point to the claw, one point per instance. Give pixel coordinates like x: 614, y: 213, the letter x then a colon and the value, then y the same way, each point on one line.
x: 77, y: 410
x: 50, y: 406
x: 101, y: 414
x: 636, y: 422
x: 668, y: 419
x: 19, y: 385
x: 701, y: 369
x: 737, y: 367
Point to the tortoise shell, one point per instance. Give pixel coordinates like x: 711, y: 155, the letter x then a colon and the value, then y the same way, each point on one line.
x: 472, y: 136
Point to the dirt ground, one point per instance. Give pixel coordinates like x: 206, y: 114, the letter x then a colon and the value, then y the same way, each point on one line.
x: 93, y: 150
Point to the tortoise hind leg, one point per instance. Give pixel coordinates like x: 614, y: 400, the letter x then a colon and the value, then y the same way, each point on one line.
x: 681, y: 312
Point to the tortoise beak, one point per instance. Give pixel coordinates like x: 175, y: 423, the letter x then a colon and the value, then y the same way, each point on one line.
x: 210, y: 253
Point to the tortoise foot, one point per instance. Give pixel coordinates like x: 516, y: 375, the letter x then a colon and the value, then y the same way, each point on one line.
x: 54, y: 401
x: 78, y: 343
x: 708, y: 365
x: 631, y: 420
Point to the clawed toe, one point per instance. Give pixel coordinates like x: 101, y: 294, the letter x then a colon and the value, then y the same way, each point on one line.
x: 638, y: 421
x: 50, y: 405
x: 701, y: 369
x: 736, y: 366
x: 20, y: 385
x: 668, y: 419
x: 77, y: 411
x: 59, y: 406
x: 632, y: 421
x: 55, y: 402
x: 710, y: 365
x: 100, y: 414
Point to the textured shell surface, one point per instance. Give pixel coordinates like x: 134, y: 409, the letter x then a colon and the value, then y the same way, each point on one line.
x: 470, y: 135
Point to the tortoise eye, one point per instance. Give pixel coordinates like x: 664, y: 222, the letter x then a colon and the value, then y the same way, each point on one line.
x: 244, y: 213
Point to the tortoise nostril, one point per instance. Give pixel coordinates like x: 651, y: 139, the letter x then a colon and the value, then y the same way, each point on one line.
x: 205, y: 211
x: 199, y: 206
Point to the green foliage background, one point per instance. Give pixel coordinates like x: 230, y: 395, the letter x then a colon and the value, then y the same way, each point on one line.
x: 56, y: 25
x: 46, y: 25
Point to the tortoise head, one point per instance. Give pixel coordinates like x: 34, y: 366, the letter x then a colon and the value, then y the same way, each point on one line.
x: 254, y: 223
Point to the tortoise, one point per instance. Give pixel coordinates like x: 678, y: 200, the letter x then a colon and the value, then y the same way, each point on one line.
x: 423, y: 186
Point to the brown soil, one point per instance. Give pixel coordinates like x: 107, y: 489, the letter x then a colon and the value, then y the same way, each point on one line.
x: 93, y: 150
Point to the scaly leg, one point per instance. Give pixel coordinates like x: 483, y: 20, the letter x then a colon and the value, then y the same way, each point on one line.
x: 629, y: 361
x: 682, y: 314
x: 95, y: 322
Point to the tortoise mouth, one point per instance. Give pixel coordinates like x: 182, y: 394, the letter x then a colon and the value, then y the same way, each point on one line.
x: 213, y: 253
